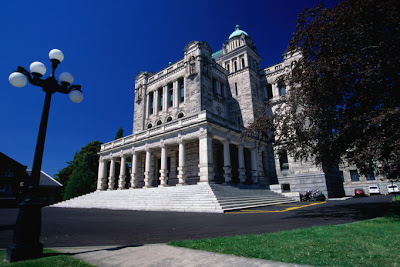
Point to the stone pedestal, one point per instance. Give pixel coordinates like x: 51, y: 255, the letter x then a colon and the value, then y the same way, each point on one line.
x: 163, y: 178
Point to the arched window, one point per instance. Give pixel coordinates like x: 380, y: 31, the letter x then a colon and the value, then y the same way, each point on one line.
x: 159, y: 122
x: 169, y: 119
x: 243, y: 65
x: 149, y: 126
x: 180, y: 115
x: 235, y: 66
x: 227, y: 67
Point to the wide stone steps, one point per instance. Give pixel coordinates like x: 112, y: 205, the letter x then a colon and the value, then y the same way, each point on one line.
x: 193, y: 198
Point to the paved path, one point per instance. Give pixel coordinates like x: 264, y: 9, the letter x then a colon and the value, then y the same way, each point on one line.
x: 95, y: 227
x: 160, y: 255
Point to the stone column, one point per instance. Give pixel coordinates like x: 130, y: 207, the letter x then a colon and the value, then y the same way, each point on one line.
x: 254, y: 169
x: 155, y: 101
x: 102, y: 175
x: 165, y: 98
x: 111, y: 179
x: 163, y: 168
x: 181, y: 164
x: 206, y: 167
x: 147, y: 172
x: 242, y: 169
x: 275, y: 90
x: 134, y: 178
x: 227, y: 163
x: 122, y: 173
x: 175, y: 85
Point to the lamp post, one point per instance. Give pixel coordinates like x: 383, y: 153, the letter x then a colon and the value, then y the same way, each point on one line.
x: 26, y: 244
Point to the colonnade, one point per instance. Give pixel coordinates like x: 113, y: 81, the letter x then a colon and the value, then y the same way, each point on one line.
x: 107, y: 179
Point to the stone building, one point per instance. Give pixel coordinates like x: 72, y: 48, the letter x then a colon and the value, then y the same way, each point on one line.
x: 188, y: 119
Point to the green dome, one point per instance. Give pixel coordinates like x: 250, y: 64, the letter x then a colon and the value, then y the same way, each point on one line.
x: 237, y: 32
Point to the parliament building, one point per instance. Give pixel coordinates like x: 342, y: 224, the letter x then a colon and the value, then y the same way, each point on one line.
x: 188, y: 121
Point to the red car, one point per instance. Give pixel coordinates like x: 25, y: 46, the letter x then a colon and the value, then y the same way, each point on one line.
x: 359, y: 193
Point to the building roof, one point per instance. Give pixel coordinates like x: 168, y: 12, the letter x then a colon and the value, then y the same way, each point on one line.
x: 237, y: 32
x: 45, y: 179
x: 217, y: 55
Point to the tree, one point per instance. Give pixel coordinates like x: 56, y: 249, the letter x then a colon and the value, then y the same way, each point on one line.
x: 344, y: 97
x: 80, y: 176
x: 119, y: 134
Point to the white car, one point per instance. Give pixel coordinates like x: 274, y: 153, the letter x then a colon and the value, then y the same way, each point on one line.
x: 393, y: 189
x: 373, y: 189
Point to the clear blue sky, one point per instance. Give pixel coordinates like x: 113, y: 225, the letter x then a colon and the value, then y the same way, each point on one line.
x: 106, y: 43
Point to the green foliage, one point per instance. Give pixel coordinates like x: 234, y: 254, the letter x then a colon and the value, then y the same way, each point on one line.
x: 119, y: 134
x: 80, y: 176
x: 50, y: 258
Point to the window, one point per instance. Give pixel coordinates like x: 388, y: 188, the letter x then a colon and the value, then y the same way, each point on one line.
x: 370, y: 176
x: 160, y: 99
x: 170, y: 95
x: 243, y: 66
x: 215, y: 85
x: 354, y: 176
x: 283, y: 160
x: 180, y: 115
x: 236, y: 89
x: 151, y: 102
x: 269, y: 92
x: 149, y: 126
x: 235, y: 66
x: 181, y: 87
x: 169, y: 119
x: 159, y: 122
x: 227, y: 67
x: 282, y: 90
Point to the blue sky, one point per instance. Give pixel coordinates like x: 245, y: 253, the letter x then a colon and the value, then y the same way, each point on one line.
x: 106, y: 43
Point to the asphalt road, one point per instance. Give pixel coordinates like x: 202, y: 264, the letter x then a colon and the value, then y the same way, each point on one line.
x: 62, y: 227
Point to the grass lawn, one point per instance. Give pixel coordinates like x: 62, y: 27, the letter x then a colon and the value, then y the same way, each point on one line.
x: 50, y: 259
x: 373, y: 242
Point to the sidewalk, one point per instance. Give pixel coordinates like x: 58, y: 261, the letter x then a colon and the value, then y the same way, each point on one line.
x: 161, y: 255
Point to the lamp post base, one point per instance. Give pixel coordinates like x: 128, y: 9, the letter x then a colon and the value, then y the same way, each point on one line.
x: 18, y: 253
x: 26, y: 243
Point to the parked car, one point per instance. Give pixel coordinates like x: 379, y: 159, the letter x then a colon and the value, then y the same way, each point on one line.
x: 373, y: 189
x: 359, y: 193
x: 393, y: 188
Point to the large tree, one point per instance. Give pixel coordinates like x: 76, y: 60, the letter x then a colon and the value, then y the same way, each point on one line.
x: 80, y: 176
x: 345, y: 91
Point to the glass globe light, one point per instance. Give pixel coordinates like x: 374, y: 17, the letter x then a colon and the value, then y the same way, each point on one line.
x: 76, y: 96
x: 38, y: 67
x: 66, y: 77
x: 17, y: 79
x: 56, y: 54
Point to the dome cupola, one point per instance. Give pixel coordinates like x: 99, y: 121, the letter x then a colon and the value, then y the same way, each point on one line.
x: 237, y: 32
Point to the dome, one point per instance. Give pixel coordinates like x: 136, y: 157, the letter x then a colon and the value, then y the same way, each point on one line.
x: 237, y: 32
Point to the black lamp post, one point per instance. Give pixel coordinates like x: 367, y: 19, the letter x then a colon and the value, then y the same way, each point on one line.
x: 26, y: 244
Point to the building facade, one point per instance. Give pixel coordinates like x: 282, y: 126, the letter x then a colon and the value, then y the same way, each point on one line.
x: 188, y: 120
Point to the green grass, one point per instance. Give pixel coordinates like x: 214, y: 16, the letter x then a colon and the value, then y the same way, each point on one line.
x: 373, y: 242
x: 50, y: 259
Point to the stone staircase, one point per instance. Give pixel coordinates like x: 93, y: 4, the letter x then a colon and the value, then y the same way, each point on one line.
x: 213, y: 198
